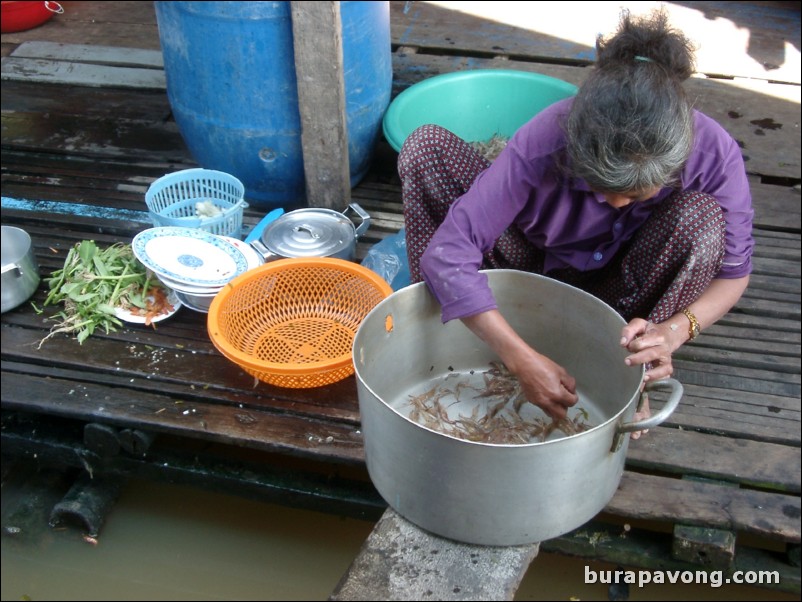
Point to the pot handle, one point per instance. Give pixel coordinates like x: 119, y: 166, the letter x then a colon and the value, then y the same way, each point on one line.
x: 254, y: 239
x: 257, y: 230
x: 13, y: 267
x: 264, y: 252
x: 654, y: 420
x: 362, y: 228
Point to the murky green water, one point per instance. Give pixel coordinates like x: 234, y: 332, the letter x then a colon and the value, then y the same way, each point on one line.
x: 164, y: 542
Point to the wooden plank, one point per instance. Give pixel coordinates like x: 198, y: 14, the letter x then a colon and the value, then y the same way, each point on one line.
x: 769, y: 303
x: 705, y: 545
x: 743, y: 397
x: 759, y: 115
x: 645, y: 497
x: 740, y: 414
x: 745, y: 401
x: 81, y: 74
x: 761, y: 465
x: 786, y: 311
x: 182, y: 416
x: 86, y: 53
x: 776, y: 248
x: 107, y: 137
x: 772, y: 296
x: 776, y: 267
x: 776, y: 207
x: 168, y: 361
x: 76, y: 209
x: 759, y: 283
x: 317, y: 41
x: 732, y: 423
x: 757, y: 321
x: 773, y: 238
x: 561, y: 33
x: 740, y: 342
x: 760, y: 382
x: 757, y: 359
x: 125, y: 104
x: 158, y: 364
x: 722, y: 334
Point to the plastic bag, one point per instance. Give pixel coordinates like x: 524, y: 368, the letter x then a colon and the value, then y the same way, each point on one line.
x: 388, y: 258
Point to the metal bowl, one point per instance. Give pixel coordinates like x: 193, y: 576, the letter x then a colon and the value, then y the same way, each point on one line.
x: 20, y: 271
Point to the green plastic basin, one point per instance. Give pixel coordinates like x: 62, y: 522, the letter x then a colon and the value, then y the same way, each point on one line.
x: 475, y: 105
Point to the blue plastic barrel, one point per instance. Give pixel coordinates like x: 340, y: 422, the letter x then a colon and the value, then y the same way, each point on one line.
x: 231, y: 84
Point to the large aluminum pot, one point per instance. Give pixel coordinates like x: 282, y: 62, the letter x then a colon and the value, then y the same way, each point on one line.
x: 312, y: 232
x: 20, y: 272
x: 484, y: 493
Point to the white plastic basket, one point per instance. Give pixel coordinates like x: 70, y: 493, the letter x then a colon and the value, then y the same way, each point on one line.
x: 182, y: 199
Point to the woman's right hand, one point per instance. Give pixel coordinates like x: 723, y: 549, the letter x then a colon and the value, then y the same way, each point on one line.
x: 545, y: 383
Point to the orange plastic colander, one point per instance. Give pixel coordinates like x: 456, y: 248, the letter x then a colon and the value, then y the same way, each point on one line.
x: 292, y: 322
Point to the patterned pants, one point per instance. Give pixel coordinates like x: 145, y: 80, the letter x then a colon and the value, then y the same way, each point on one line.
x: 664, y: 268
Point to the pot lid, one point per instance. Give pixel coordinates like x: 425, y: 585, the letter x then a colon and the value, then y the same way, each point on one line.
x: 309, y: 233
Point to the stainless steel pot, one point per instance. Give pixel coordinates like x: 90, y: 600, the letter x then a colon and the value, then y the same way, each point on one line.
x: 486, y: 493
x: 312, y: 232
x: 20, y: 273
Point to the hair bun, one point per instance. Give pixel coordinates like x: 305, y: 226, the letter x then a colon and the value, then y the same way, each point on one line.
x: 648, y: 39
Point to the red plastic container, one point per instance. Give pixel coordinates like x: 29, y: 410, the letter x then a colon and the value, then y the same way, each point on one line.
x: 19, y: 16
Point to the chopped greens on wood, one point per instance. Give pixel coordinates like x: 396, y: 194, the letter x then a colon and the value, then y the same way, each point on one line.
x: 95, y: 282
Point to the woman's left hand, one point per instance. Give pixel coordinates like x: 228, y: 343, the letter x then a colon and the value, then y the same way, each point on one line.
x: 649, y: 344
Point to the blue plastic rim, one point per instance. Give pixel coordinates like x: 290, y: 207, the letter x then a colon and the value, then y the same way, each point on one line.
x: 172, y: 201
x: 475, y: 105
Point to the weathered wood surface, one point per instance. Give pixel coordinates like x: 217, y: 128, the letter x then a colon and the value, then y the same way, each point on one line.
x: 318, y: 45
x: 83, y: 65
x: 762, y: 39
x: 91, y: 152
x: 741, y: 110
x: 707, y: 545
x: 125, y: 24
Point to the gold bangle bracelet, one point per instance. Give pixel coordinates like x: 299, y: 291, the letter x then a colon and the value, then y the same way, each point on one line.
x: 693, y: 329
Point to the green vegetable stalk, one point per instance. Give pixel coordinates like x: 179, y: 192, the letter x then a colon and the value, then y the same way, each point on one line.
x: 92, y: 283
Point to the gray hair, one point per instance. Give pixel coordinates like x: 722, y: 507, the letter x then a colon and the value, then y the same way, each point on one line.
x: 630, y: 128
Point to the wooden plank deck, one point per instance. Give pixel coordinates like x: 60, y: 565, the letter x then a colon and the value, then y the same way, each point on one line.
x: 77, y: 153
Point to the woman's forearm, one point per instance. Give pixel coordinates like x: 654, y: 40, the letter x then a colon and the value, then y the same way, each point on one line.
x: 711, y: 306
x: 495, y: 331
x: 545, y: 383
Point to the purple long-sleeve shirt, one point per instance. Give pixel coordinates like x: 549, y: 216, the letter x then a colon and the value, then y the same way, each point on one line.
x: 572, y: 224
